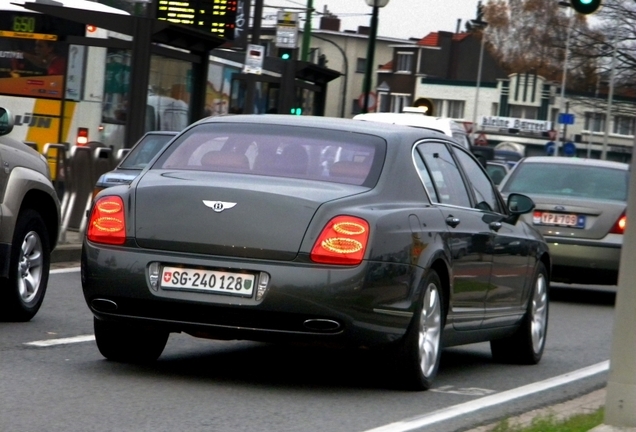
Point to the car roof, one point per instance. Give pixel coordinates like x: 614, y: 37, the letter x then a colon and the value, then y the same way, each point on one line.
x: 575, y: 161
x: 163, y: 132
x: 444, y: 125
x: 376, y: 128
x: 498, y: 163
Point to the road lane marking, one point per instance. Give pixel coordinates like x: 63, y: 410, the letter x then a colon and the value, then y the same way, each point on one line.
x: 62, y: 341
x: 65, y: 270
x: 488, y: 401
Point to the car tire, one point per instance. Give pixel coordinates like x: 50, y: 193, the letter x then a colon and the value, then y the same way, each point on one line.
x: 526, y: 345
x: 128, y: 343
x: 22, y: 294
x: 421, y: 348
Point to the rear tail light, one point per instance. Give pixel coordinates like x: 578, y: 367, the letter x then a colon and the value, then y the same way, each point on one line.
x: 619, y: 226
x: 82, y: 136
x: 106, y: 223
x: 342, y: 241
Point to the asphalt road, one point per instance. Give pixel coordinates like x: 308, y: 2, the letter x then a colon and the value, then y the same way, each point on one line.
x: 51, y: 383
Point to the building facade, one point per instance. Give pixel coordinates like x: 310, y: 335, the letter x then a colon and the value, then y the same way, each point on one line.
x: 519, y: 108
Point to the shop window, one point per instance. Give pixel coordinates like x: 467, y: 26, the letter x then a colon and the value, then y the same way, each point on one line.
x: 523, y: 112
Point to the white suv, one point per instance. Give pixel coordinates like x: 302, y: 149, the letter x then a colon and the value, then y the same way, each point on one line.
x: 29, y: 226
x: 416, y: 118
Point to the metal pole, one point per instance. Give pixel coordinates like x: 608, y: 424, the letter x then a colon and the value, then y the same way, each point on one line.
x: 593, y: 119
x: 345, y: 75
x: 620, y: 399
x: 563, y: 80
x: 610, y: 96
x: 304, y: 54
x: 370, y: 52
x: 481, y: 59
x: 257, y: 21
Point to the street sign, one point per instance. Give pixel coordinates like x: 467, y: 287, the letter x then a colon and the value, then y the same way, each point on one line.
x: 549, y: 148
x: 481, y: 140
x: 569, y: 149
x: 371, y: 103
x: 566, y: 118
x: 254, y: 55
x: 287, y: 29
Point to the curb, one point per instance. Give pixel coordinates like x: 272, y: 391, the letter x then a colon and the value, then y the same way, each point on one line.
x: 66, y: 253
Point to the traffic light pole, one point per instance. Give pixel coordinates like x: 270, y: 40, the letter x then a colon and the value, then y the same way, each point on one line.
x: 370, y: 52
x: 304, y: 53
x: 481, y: 59
x: 563, y: 81
x: 620, y: 399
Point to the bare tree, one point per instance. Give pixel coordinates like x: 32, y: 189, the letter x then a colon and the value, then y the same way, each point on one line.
x: 530, y: 35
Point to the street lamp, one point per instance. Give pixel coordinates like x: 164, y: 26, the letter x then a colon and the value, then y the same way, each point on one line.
x: 478, y: 23
x: 373, y: 30
x: 565, y: 73
x: 610, y: 96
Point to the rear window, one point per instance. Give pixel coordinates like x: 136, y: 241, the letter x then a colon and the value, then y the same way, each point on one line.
x: 280, y: 151
x: 569, y: 180
x: 145, y: 150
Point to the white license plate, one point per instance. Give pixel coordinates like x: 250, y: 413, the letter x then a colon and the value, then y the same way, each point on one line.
x: 177, y: 278
x: 560, y: 219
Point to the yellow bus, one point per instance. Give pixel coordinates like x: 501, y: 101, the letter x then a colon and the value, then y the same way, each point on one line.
x: 55, y: 90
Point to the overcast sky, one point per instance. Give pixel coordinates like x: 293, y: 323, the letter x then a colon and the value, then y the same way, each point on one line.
x: 400, y: 18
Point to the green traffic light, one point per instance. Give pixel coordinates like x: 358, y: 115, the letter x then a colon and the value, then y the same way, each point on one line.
x: 285, y: 56
x: 585, y: 7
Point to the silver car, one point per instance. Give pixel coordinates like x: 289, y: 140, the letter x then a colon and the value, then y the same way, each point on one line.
x: 29, y: 226
x: 580, y: 210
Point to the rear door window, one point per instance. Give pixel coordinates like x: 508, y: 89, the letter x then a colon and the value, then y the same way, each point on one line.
x: 449, y: 187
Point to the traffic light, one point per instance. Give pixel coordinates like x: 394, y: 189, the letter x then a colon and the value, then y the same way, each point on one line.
x: 585, y: 7
x: 296, y: 111
x: 286, y: 53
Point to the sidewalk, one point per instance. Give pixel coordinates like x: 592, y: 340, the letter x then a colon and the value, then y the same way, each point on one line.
x: 68, y: 251
x: 582, y: 405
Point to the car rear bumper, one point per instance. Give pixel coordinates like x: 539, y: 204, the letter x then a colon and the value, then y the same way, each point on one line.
x: 587, y: 261
x: 303, y: 302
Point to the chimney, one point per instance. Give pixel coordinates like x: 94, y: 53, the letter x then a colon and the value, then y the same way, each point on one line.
x: 329, y: 22
x: 459, y: 24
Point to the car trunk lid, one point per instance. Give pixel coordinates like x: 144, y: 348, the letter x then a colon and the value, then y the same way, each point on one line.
x: 228, y: 214
x: 594, y: 218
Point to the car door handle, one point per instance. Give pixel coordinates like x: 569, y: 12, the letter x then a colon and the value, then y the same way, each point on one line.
x: 495, y: 226
x: 452, y: 221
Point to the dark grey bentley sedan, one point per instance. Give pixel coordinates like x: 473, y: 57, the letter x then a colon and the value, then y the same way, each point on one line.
x: 318, y: 230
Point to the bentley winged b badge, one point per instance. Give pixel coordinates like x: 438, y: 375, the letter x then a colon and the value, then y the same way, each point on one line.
x: 219, y: 206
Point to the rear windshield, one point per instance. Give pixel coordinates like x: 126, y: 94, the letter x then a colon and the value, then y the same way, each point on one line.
x: 569, y: 180
x: 145, y: 150
x: 280, y: 151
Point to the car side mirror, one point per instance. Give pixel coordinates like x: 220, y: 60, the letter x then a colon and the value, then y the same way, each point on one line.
x: 519, y: 204
x: 6, y: 121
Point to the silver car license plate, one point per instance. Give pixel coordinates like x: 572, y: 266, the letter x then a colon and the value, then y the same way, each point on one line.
x: 187, y: 279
